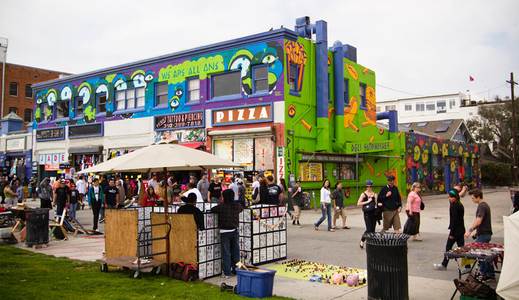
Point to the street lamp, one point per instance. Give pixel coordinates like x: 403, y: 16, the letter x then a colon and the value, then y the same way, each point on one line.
x: 3, y: 53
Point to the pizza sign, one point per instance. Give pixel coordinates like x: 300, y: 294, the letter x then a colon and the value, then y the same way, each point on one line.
x: 242, y: 115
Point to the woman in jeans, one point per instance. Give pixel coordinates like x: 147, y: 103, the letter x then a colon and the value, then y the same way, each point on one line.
x: 368, y: 202
x: 297, y: 200
x: 326, y: 206
x: 412, y: 209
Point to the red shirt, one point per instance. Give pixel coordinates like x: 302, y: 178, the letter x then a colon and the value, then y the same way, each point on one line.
x: 150, y: 200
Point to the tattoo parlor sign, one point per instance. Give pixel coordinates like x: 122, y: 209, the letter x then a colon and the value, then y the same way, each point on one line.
x: 242, y: 115
x: 193, y: 119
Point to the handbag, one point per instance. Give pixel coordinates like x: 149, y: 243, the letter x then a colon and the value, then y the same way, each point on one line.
x: 422, y: 205
x: 369, y: 207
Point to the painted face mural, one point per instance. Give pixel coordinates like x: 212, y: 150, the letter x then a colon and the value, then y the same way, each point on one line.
x: 175, y: 100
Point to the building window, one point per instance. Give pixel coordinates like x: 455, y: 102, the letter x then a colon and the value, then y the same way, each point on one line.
x: 430, y: 106
x: 408, y: 107
x: 78, y: 105
x: 101, y: 102
x: 62, y: 108
x: 46, y: 111
x: 441, y: 106
x: 390, y: 107
x: 13, y: 89
x: 293, y: 77
x: 362, y: 94
x: 346, y: 92
x: 260, y: 78
x: 13, y: 110
x: 193, y: 90
x: 161, y: 94
x: 452, y: 103
x: 420, y: 107
x: 28, y: 91
x: 27, y: 115
x: 129, y: 99
x: 226, y: 84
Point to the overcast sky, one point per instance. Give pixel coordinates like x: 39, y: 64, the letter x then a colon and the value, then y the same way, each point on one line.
x: 415, y: 47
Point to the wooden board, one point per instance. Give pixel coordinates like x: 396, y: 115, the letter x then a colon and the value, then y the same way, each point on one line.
x: 120, y: 233
x: 183, y: 238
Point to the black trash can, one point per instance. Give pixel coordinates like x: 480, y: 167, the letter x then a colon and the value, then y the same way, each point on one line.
x: 387, y: 266
x: 36, y: 226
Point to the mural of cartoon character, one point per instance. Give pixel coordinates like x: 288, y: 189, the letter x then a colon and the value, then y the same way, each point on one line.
x: 350, y: 112
x: 371, y: 108
x: 175, y: 100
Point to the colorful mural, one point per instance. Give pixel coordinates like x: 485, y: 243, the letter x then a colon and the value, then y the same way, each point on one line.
x: 84, y: 96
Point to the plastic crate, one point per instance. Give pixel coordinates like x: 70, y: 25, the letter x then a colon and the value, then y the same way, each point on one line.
x: 255, y: 284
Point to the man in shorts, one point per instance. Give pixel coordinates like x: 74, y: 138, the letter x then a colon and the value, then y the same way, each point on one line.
x: 391, y: 201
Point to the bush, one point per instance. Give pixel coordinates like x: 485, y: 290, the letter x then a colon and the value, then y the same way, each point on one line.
x: 496, y: 174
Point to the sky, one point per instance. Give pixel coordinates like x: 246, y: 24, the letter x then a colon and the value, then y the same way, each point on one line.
x: 416, y: 48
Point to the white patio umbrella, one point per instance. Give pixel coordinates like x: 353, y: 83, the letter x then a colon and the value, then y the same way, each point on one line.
x: 161, y: 157
x: 508, y: 285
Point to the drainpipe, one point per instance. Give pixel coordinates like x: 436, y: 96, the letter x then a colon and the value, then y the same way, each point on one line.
x: 338, y: 73
x: 392, y: 116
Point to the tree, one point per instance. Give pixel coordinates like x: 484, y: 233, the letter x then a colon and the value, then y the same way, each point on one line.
x: 493, y: 126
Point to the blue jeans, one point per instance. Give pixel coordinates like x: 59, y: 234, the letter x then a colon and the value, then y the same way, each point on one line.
x: 72, y: 210
x: 486, y: 268
x: 230, y: 251
x: 326, y: 212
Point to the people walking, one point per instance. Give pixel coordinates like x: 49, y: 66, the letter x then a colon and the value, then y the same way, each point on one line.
x: 297, y: 200
x: 82, y: 189
x: 413, y: 208
x: 391, y: 201
x: 96, y: 199
x: 275, y: 194
x: 203, y: 187
x: 482, y: 225
x: 261, y: 194
x: 228, y: 222
x: 61, y: 197
x: 74, y: 200
x: 214, y: 193
x: 456, y: 226
x: 326, y: 206
x: 368, y: 202
x: 45, y: 193
x: 338, y: 206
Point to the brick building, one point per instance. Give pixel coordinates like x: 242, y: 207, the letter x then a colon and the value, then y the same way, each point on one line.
x: 18, y: 96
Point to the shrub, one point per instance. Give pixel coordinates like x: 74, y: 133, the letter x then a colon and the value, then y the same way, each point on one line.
x: 496, y: 174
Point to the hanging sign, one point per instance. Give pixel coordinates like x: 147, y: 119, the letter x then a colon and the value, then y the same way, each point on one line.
x: 352, y: 148
x: 242, y: 115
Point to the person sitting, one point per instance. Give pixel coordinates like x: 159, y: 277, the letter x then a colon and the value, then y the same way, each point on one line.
x: 150, y: 198
x: 190, y: 208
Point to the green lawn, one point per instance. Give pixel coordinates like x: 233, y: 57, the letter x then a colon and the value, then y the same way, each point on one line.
x: 28, y: 275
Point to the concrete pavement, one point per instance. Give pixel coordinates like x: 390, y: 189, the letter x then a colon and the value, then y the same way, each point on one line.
x: 341, y: 248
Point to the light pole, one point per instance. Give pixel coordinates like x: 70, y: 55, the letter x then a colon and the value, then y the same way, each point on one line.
x: 514, y: 129
x: 3, y: 51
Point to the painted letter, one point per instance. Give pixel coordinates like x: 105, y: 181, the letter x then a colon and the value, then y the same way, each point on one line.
x: 219, y: 116
x: 230, y: 114
x: 240, y: 114
x: 251, y: 113
x: 263, y: 113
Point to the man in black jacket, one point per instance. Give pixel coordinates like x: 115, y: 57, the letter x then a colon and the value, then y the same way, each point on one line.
x: 228, y: 222
x: 391, y: 201
x: 456, y: 226
x: 190, y: 208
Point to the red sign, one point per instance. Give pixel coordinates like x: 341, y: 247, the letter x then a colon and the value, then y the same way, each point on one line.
x: 242, y: 115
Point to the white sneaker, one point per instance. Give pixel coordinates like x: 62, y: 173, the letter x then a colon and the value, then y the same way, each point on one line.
x: 439, y: 267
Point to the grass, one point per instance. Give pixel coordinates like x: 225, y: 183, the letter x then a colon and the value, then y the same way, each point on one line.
x: 28, y: 275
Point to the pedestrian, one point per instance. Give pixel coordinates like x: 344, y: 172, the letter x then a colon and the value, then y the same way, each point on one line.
x: 275, y: 194
x: 81, y: 188
x: 111, y: 193
x: 241, y: 192
x: 456, y: 226
x: 121, y: 194
x: 338, y: 206
x: 203, y: 187
x: 413, y: 208
x: 96, y: 199
x: 214, y: 193
x: 150, y: 198
x: 45, y: 193
x: 191, y: 188
x: 368, y: 202
x: 228, y: 221
x: 256, y: 183
x: 482, y: 225
x: 297, y: 199
x: 234, y: 187
x: 3, y: 183
x: 32, y: 188
x: 10, y: 195
x: 261, y: 194
x: 391, y: 201
x: 326, y: 206
x: 462, y: 189
x: 190, y: 208
x: 74, y: 201
x: 153, y: 181
x: 61, y: 197
x: 283, y: 187
x: 20, y: 195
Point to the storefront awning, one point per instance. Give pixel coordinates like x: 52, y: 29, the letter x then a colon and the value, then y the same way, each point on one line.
x: 85, y: 150
x: 194, y: 145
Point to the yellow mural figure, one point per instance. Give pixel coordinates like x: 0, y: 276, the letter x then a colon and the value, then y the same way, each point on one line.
x: 350, y: 112
x: 371, y: 108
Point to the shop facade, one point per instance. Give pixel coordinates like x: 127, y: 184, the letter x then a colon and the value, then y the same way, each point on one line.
x: 15, y: 148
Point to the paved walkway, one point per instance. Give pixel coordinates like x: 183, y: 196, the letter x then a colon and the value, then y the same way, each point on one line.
x: 341, y: 248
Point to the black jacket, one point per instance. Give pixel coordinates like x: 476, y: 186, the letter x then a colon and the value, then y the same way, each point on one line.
x: 392, y: 202
x: 197, y: 214
x: 456, y: 219
x: 228, y: 215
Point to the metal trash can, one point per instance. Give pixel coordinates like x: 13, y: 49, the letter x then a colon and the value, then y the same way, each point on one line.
x: 387, y: 266
x: 36, y: 226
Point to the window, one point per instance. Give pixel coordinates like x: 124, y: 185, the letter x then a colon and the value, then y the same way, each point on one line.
x: 390, y: 107
x: 293, y: 78
x: 441, y: 106
x: 226, y: 84
x: 346, y: 92
x: 430, y: 106
x: 452, y: 103
x: 78, y: 102
x: 13, y: 89
x: 161, y: 94
x: 362, y: 92
x: 28, y: 91
x: 193, y: 90
x: 346, y: 171
x: 420, y: 107
x: 13, y: 110
x: 101, y: 102
x: 408, y: 107
x: 260, y: 79
x: 27, y: 115
x: 129, y: 99
x: 62, y: 108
